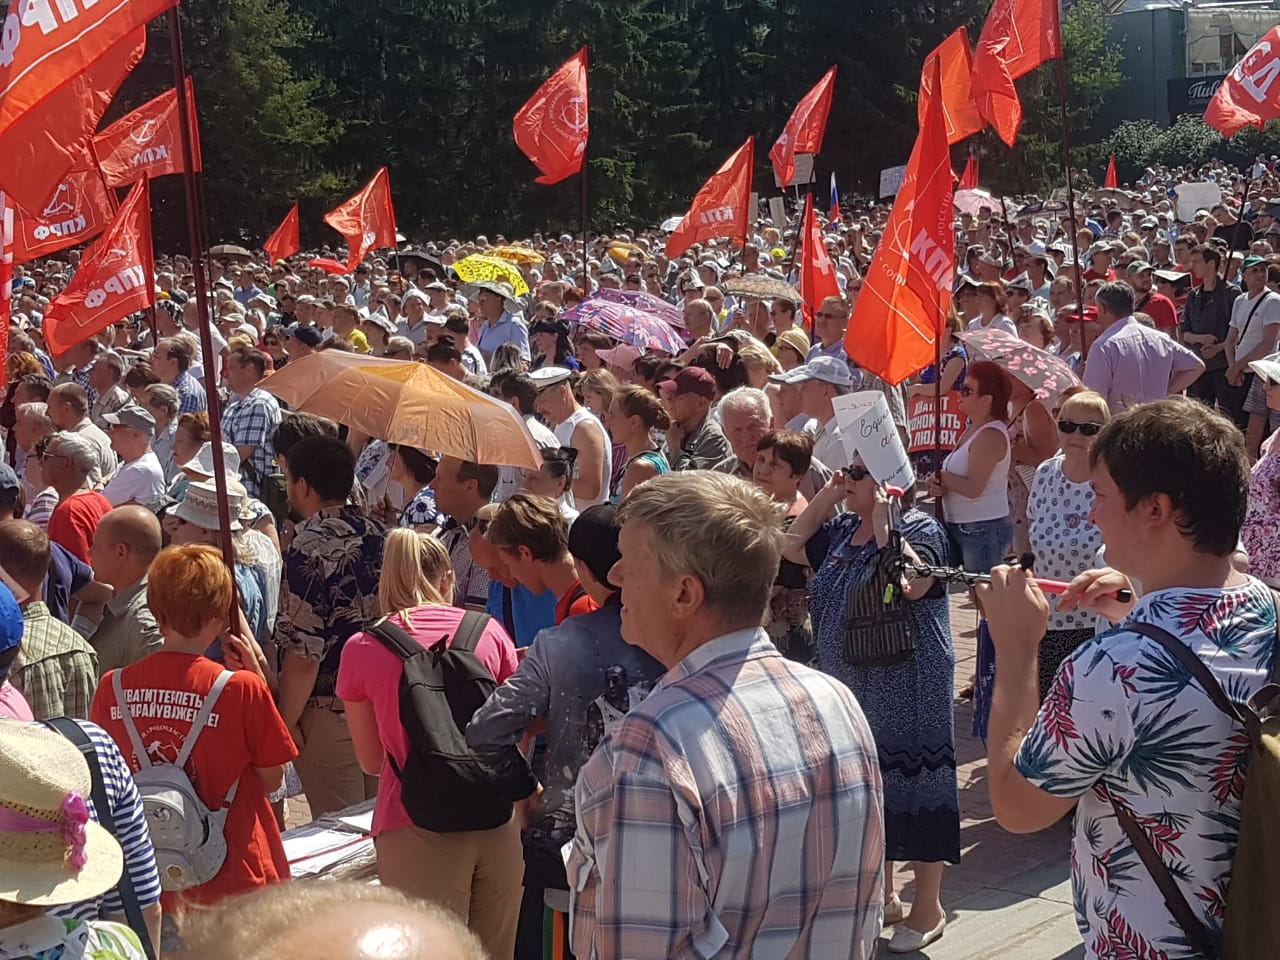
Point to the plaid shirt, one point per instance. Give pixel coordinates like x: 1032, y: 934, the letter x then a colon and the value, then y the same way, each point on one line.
x: 252, y: 419
x: 56, y: 669
x: 80, y: 377
x: 736, y: 812
x: 191, y: 398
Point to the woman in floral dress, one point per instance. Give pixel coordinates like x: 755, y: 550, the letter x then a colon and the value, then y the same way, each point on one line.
x: 1261, y: 531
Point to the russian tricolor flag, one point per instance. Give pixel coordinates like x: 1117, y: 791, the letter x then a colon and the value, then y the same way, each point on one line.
x: 834, y: 215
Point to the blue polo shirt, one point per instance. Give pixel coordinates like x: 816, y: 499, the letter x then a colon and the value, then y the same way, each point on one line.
x: 507, y: 330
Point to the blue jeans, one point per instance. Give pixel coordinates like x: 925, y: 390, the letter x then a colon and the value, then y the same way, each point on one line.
x: 982, y: 544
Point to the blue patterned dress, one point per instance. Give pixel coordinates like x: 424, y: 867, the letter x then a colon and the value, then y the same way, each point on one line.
x: 907, y: 704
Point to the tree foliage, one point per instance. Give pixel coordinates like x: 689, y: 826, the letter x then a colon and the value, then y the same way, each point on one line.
x: 1190, y: 142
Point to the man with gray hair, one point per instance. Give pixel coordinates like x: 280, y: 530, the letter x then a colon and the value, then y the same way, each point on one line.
x: 105, y: 374
x: 69, y: 411
x: 163, y: 402
x: 69, y: 460
x: 745, y: 416
x: 731, y: 714
x: 821, y: 380
x: 1130, y: 363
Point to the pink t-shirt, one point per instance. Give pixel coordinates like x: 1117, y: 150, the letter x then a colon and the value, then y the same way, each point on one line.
x: 13, y: 705
x: 369, y: 671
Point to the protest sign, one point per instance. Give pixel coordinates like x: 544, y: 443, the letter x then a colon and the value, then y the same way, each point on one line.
x: 921, y: 418
x: 867, y: 430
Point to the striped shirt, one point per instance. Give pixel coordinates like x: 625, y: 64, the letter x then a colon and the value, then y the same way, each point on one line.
x: 736, y: 812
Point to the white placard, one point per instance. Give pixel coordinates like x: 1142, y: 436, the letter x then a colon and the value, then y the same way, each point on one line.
x: 1191, y: 197
x: 778, y: 212
x: 803, y: 174
x: 891, y: 180
x: 867, y: 430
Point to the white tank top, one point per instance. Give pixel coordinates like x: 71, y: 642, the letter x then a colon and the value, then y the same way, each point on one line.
x: 564, y: 433
x: 993, y: 502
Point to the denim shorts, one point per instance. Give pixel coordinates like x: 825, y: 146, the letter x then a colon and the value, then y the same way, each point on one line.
x: 981, y: 544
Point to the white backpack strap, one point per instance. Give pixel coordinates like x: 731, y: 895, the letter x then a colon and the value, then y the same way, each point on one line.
x: 139, y: 750
x: 202, y: 719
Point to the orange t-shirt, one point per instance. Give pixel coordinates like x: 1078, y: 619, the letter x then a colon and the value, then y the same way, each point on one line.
x: 570, y: 606
x: 164, y: 692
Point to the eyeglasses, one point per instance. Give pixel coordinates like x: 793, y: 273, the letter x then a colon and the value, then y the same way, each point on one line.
x: 968, y: 391
x: 1071, y: 426
x: 856, y: 473
x: 829, y: 316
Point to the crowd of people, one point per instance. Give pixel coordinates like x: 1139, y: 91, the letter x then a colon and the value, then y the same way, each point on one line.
x: 706, y: 654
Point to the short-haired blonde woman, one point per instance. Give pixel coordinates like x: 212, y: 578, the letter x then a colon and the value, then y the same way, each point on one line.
x: 477, y: 874
x: 1062, y: 538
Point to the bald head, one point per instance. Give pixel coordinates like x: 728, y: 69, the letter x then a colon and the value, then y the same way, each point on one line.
x: 125, y: 543
x: 334, y: 920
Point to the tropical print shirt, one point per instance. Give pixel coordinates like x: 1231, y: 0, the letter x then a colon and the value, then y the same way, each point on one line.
x: 52, y: 938
x: 1124, y: 721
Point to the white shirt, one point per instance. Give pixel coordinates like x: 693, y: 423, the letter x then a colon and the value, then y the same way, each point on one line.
x: 564, y: 433
x: 138, y: 481
x: 828, y: 447
x: 106, y: 456
x: 510, y: 479
x: 1262, y: 326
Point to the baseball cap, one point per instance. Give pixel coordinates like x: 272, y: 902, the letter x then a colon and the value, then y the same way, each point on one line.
x: 8, y: 479
x: 593, y: 540
x: 1254, y: 261
x: 623, y: 355
x: 305, y: 333
x: 690, y: 380
x: 545, y: 377
x: 827, y: 369
x: 132, y: 415
x: 1138, y: 266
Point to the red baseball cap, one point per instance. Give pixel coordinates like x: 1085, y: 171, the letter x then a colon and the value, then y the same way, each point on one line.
x: 693, y: 380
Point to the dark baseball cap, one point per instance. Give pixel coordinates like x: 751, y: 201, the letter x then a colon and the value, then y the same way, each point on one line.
x: 305, y: 333
x: 593, y: 539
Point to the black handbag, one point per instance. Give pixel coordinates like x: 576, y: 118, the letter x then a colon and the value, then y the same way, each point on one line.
x: 877, y: 628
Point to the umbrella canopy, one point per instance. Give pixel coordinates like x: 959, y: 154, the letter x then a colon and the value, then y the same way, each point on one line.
x: 647, y: 302
x: 621, y: 251
x: 328, y: 265
x: 642, y: 330
x: 401, y: 257
x: 402, y: 401
x: 1043, y: 374
x: 517, y: 254
x: 228, y: 250
x: 480, y: 267
x: 971, y: 201
x: 671, y: 223
x: 762, y: 288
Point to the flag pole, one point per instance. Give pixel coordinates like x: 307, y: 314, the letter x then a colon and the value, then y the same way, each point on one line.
x: 194, y: 235
x: 937, y: 413
x: 586, y: 271
x: 1071, y: 195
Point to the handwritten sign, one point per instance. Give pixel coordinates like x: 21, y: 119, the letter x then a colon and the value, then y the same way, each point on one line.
x: 867, y: 431
x: 1190, y: 197
x: 921, y: 423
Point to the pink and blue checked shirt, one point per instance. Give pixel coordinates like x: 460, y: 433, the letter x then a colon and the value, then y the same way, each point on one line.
x: 736, y: 812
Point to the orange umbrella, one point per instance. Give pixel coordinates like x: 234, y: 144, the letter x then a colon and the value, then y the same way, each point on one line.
x: 402, y: 401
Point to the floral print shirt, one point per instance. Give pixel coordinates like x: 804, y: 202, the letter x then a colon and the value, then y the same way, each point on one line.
x: 53, y: 938
x: 1263, y: 519
x: 1124, y: 721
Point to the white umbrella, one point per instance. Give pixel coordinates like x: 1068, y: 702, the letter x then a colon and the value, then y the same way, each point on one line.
x: 671, y: 223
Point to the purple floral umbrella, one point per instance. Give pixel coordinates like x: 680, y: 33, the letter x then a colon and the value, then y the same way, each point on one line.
x: 642, y: 330
x: 1043, y: 374
x: 647, y: 302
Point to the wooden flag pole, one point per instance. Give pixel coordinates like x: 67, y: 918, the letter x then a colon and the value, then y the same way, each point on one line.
x: 194, y: 236
x: 1071, y: 198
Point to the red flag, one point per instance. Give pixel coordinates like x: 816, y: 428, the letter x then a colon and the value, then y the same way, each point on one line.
x: 41, y: 144
x: 1110, y: 180
x: 284, y: 242
x: 969, y: 179
x: 1018, y: 36
x: 6, y: 270
x: 148, y: 141
x: 79, y: 210
x: 367, y: 220
x: 552, y: 127
x: 817, y: 273
x: 720, y: 208
x: 906, y: 293
x: 805, y: 128
x: 955, y: 62
x: 116, y: 277
x: 1249, y: 95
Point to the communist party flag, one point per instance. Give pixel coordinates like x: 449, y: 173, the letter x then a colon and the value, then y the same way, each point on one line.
x: 116, y: 277
x: 955, y: 62
x: 284, y: 242
x: 367, y: 220
x: 6, y: 269
x: 720, y: 208
x: 41, y: 142
x: 969, y: 179
x: 148, y: 141
x: 817, y: 274
x: 805, y: 128
x: 1249, y: 95
x: 1110, y: 180
x: 552, y: 127
x: 1018, y: 36
x: 906, y: 293
x: 80, y: 209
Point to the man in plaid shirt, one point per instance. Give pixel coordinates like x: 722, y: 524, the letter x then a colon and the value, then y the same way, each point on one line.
x: 251, y: 416
x: 170, y: 360
x: 737, y: 811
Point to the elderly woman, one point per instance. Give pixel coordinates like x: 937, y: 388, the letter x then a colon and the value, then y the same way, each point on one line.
x: 163, y: 402
x: 782, y: 459
x: 899, y: 663
x: 1062, y: 537
x: 192, y: 434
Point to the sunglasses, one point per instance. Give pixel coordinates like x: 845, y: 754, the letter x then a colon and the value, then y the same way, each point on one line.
x: 856, y: 473
x: 829, y: 316
x: 1087, y: 429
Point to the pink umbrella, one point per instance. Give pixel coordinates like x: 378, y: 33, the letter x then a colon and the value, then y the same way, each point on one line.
x: 642, y: 330
x: 971, y: 201
x: 648, y: 303
x: 1043, y: 374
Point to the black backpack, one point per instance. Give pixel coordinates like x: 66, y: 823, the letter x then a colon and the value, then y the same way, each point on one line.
x: 446, y: 786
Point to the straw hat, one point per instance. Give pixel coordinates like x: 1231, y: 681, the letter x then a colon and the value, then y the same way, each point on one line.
x: 200, y: 506
x: 44, y: 781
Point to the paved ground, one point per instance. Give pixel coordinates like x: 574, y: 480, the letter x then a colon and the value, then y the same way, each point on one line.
x: 1010, y: 896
